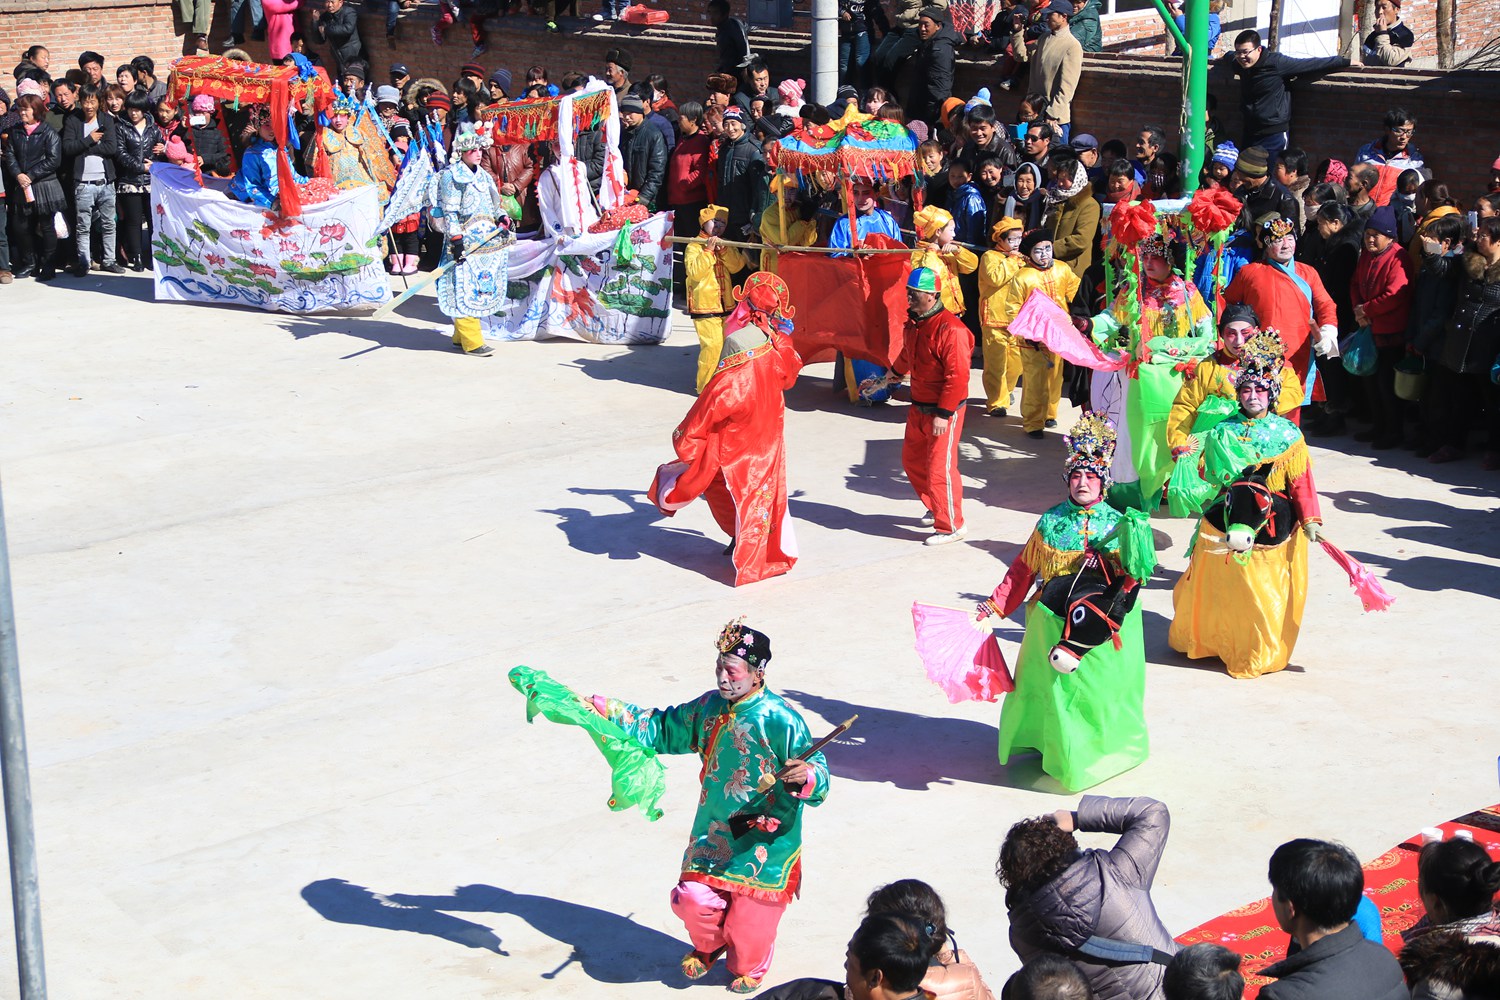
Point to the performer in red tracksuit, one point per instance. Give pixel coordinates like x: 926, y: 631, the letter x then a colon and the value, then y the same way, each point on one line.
x: 936, y: 354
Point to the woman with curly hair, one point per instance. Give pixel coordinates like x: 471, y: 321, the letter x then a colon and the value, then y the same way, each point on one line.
x: 1091, y: 906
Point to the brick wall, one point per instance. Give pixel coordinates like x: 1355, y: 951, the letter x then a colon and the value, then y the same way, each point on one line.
x: 126, y: 29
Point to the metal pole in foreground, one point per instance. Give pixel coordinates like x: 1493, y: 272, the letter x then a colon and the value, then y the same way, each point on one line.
x: 20, y: 837
x: 1194, y: 134
x: 825, y: 51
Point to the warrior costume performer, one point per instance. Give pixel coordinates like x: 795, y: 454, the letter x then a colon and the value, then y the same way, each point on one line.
x: 356, y: 154
x: 1085, y: 714
x: 468, y: 202
x: 1164, y: 327
x: 743, y: 863
x: 730, y: 447
x: 1242, y: 595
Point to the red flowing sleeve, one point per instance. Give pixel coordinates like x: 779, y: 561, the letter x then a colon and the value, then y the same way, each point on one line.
x: 1303, y: 493
x: 696, y: 443
x: 789, y: 362
x: 1014, y: 588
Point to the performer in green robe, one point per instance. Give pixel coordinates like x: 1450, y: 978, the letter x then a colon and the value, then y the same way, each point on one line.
x: 1164, y: 326
x: 743, y: 863
x: 1089, y: 724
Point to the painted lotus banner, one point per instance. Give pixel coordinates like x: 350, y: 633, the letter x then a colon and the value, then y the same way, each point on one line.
x: 211, y: 248
x: 606, y: 288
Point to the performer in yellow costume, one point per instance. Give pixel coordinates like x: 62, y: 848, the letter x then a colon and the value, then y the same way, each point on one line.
x: 710, y: 292
x: 938, y: 251
x: 1041, y: 369
x: 1242, y: 596
x: 1002, y: 358
x: 1208, y: 394
x: 799, y: 232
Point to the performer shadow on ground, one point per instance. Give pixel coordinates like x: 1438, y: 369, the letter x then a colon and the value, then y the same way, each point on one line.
x: 1428, y: 521
x: 609, y: 948
x: 951, y: 750
x: 638, y: 531
x: 655, y: 366
x: 836, y: 518
x: 380, y: 333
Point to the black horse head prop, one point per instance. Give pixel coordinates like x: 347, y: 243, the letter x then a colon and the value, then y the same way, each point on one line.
x: 1093, y: 604
x: 1250, y: 513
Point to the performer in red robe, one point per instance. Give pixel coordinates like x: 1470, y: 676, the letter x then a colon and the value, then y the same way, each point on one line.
x: 1289, y: 297
x: 730, y: 447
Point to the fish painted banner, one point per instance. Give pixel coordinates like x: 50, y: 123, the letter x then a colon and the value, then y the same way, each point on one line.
x: 210, y: 248
x: 613, y: 287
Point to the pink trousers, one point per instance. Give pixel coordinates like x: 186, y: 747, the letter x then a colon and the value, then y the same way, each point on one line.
x: 743, y: 925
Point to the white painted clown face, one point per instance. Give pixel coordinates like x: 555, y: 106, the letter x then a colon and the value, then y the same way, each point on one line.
x: 735, y: 677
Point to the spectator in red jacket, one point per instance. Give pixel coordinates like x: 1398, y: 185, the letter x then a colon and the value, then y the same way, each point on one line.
x: 690, y: 175
x: 1381, y: 293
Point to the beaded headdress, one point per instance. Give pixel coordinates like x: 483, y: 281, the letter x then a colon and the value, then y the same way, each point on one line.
x: 343, y: 103
x: 1091, y: 446
x: 738, y: 639
x: 468, y: 140
x: 1261, y: 362
x: 1155, y: 245
x: 1274, y: 229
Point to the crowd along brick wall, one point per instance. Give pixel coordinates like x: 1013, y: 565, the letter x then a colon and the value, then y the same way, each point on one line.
x: 1332, y: 117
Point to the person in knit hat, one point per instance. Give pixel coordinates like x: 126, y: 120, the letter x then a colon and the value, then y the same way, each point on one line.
x: 1002, y: 358
x: 1226, y: 157
x: 711, y: 267
x: 937, y: 249
x: 1258, y: 192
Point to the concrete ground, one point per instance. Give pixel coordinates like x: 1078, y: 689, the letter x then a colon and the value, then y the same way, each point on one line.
x: 271, y: 573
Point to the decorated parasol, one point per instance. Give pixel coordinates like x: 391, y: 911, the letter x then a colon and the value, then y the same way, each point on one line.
x: 853, y: 146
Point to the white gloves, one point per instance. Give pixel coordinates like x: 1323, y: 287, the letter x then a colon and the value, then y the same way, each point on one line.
x: 1313, y: 531
x: 1327, y: 343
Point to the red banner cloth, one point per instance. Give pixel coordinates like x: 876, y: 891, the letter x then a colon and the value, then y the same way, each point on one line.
x: 852, y: 305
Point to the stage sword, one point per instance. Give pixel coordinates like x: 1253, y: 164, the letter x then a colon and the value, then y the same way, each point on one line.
x: 768, y: 781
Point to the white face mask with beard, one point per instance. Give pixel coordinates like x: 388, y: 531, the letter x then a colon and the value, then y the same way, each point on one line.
x: 1041, y: 255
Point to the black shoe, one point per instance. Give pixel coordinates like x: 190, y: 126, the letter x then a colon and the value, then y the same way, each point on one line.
x: 46, y: 274
x: 998, y: 411
x: 79, y: 270
x: 24, y: 271
x: 1036, y: 434
x: 1050, y: 423
x: 113, y: 268
x: 138, y: 265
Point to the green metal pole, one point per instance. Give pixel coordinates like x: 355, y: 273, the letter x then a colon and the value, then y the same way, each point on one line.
x: 1195, y: 106
x: 1166, y: 19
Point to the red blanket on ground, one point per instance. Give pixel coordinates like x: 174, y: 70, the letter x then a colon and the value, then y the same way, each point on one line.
x: 1390, y: 882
